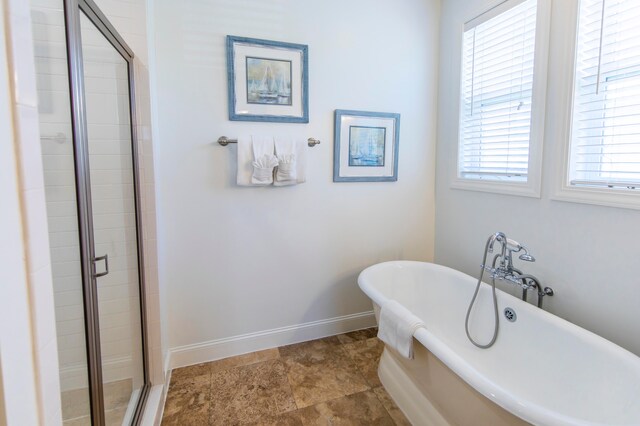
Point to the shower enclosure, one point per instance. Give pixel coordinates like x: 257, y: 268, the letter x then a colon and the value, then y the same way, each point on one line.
x: 88, y: 136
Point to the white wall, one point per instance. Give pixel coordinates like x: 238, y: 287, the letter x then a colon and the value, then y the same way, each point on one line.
x: 587, y: 253
x: 240, y: 260
x: 19, y: 393
x: 28, y: 340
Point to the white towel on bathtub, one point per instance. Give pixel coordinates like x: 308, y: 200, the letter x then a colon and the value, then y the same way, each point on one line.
x: 396, y: 327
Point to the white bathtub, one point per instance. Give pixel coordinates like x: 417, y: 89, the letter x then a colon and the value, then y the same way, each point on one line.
x: 542, y: 369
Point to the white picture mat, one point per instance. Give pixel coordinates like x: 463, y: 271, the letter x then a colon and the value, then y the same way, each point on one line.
x: 241, y: 51
x: 367, y: 171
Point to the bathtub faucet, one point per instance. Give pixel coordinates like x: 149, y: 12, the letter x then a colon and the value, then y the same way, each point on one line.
x: 502, y: 267
x: 508, y: 248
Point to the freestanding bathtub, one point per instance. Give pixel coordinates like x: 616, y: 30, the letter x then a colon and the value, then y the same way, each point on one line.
x: 542, y: 369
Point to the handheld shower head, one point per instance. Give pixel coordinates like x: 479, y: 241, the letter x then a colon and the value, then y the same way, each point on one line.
x: 526, y: 256
x: 515, y: 247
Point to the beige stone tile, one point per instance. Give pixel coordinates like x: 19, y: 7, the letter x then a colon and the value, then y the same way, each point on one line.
x: 184, y: 373
x: 314, y: 350
x: 354, y: 336
x: 248, y: 393
x: 78, y: 421
x: 366, y: 355
x: 391, y: 407
x: 360, y: 409
x: 117, y: 394
x: 187, y: 405
x: 193, y: 376
x: 189, y: 396
x: 75, y: 403
x: 291, y: 418
x: 114, y: 417
x: 321, y: 371
x: 246, y: 359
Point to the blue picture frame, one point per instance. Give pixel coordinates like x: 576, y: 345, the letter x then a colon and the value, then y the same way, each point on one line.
x: 267, y: 80
x: 363, y: 143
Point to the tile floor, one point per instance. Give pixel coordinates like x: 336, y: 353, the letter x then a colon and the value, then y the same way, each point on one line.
x: 329, y: 381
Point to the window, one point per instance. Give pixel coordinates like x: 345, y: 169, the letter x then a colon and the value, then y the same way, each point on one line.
x: 605, y: 138
x: 501, y: 110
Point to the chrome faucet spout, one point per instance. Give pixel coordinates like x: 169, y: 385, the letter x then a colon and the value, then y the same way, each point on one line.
x: 500, y: 237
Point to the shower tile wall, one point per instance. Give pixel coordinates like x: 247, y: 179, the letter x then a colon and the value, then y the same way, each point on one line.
x: 111, y: 179
x: 57, y: 155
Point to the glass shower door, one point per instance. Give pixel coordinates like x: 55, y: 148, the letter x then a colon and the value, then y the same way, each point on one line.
x: 88, y: 143
x: 115, y: 231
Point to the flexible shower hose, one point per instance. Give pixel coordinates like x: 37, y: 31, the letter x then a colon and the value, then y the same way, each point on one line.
x: 495, y: 301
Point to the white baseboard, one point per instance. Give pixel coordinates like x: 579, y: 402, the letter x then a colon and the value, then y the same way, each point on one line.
x: 182, y: 356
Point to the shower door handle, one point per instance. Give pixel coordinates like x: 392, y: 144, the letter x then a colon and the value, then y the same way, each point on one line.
x: 106, y: 265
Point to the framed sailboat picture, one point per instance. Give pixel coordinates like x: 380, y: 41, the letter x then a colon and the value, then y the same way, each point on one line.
x: 268, y: 80
x: 366, y: 146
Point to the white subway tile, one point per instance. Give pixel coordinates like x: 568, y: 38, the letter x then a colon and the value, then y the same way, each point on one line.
x: 58, y: 162
x: 63, y: 239
x: 70, y: 327
x: 68, y: 298
x: 63, y: 223
x: 61, y: 209
x: 67, y: 270
x: 68, y: 313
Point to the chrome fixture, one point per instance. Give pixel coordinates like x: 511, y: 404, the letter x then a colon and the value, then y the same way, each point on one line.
x: 502, y: 269
x: 529, y: 282
x: 510, y: 315
x: 224, y: 141
x: 507, y: 272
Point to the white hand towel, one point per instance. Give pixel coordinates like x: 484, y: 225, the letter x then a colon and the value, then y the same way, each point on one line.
x: 245, y: 162
x: 292, y: 161
x: 264, y: 160
x: 396, y: 327
x: 286, y: 154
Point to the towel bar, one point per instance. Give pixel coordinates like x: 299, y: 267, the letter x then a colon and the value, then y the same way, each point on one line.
x: 224, y: 141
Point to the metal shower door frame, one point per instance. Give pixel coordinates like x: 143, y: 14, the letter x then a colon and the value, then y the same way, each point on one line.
x: 72, y: 11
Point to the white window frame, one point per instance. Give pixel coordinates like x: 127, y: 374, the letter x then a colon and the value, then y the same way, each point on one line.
x: 563, y: 190
x: 530, y: 188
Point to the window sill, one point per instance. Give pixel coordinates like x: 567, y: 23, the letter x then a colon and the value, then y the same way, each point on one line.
x: 522, y: 189
x: 625, y: 199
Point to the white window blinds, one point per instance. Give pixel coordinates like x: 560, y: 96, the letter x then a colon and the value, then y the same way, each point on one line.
x: 497, y: 88
x: 605, y: 145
